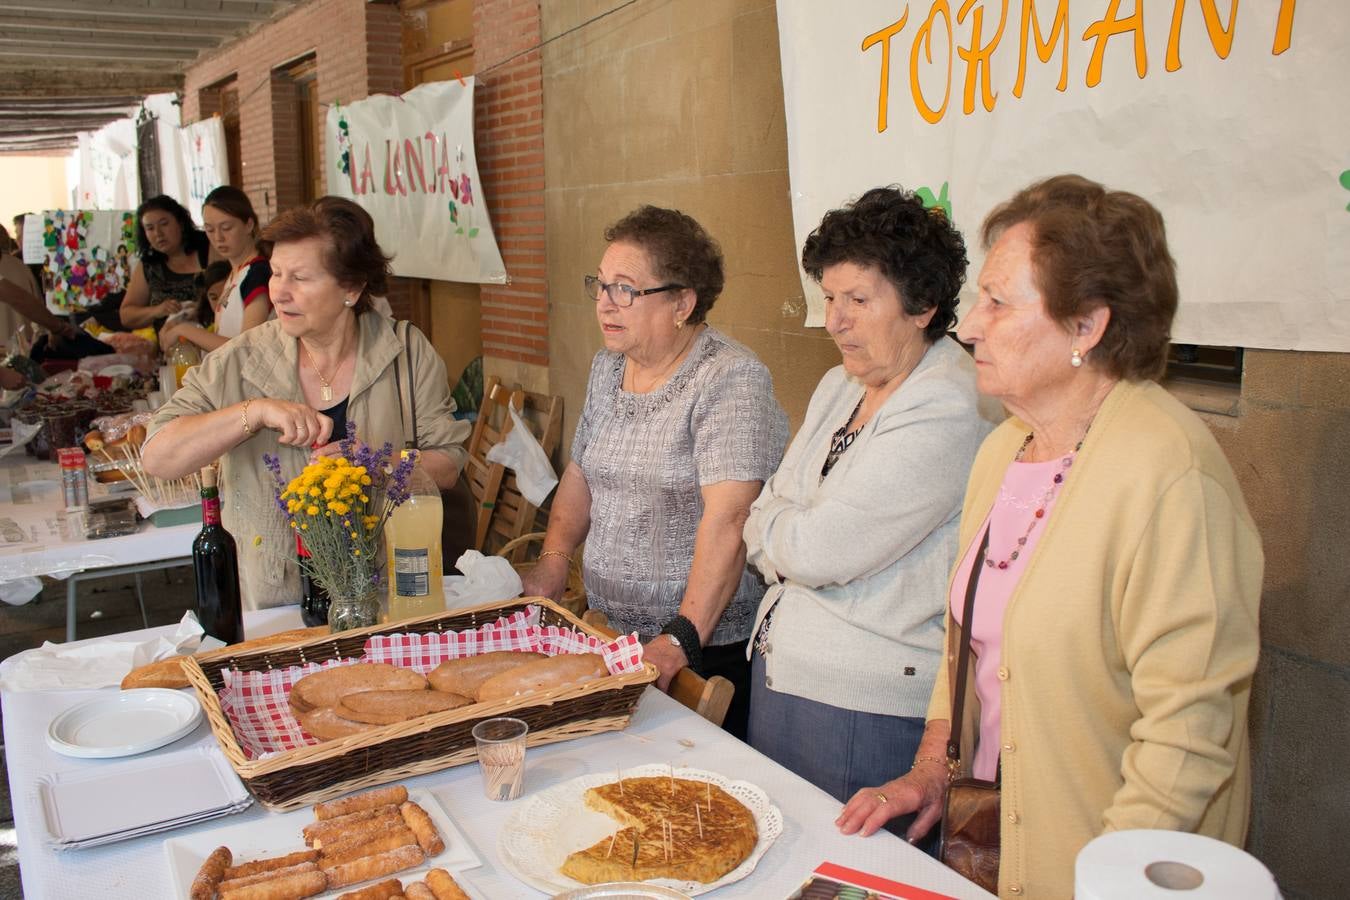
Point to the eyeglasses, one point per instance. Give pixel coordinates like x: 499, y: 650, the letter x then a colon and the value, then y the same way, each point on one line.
x: 623, y: 295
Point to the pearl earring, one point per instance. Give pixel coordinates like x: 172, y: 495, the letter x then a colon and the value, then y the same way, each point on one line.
x: 1077, y: 359
x: 350, y: 302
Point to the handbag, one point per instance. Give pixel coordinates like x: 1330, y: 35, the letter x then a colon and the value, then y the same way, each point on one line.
x: 970, y: 816
x: 459, y: 511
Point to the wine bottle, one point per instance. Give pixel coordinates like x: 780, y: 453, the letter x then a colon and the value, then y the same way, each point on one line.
x: 215, y: 563
x: 313, y: 598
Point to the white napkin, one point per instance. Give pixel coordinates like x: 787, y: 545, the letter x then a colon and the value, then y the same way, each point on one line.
x: 97, y: 663
x: 486, y: 579
x: 521, y: 453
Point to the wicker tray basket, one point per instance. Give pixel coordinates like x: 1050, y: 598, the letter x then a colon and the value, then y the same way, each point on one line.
x: 307, y: 775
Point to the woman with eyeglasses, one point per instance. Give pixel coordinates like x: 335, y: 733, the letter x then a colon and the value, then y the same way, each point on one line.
x: 679, y: 432
x: 856, y: 531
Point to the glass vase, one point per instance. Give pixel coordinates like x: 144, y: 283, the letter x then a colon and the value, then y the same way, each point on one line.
x: 346, y: 612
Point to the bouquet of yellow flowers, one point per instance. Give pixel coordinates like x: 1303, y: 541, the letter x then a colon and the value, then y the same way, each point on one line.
x: 338, y: 506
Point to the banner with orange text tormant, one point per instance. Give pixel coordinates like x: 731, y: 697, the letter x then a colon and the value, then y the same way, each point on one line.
x: 1229, y: 116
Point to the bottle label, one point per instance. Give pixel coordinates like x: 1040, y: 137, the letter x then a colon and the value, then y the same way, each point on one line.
x: 300, y: 550
x: 210, y: 510
x: 412, y: 572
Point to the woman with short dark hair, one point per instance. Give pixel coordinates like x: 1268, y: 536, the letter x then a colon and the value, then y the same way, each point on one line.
x: 856, y: 531
x: 1114, y: 569
x: 172, y: 251
x: 679, y: 430
x: 289, y: 386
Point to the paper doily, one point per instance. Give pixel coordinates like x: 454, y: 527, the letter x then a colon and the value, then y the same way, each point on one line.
x: 552, y: 824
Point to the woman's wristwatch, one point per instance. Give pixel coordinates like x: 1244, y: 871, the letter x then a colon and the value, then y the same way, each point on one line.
x: 682, y: 633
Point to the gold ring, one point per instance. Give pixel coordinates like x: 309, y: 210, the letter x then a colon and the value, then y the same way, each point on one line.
x: 881, y: 797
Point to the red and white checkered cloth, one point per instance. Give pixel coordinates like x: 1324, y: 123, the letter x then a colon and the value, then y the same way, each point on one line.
x: 255, y: 703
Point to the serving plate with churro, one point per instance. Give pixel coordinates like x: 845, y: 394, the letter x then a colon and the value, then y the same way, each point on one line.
x: 336, y: 851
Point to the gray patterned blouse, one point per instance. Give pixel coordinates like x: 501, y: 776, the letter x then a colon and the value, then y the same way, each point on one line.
x: 647, y: 456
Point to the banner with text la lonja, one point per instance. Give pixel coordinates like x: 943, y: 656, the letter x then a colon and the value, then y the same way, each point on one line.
x: 1229, y: 117
x: 409, y: 160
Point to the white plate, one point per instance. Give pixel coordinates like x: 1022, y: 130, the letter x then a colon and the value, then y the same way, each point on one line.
x: 120, y: 800
x: 124, y: 724
x: 552, y: 824
x: 277, y: 834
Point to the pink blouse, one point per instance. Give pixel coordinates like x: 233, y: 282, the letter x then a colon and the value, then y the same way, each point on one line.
x: 1025, y: 488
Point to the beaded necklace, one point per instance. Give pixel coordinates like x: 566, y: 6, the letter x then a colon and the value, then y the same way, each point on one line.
x: 1064, y: 464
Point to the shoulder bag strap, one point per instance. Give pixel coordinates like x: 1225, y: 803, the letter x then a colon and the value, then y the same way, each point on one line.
x: 412, y: 388
x: 963, y: 659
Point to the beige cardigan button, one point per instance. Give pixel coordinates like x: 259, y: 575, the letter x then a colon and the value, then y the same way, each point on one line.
x: 1003, y: 673
x: 1013, y: 817
x: 1009, y: 747
x: 1014, y: 889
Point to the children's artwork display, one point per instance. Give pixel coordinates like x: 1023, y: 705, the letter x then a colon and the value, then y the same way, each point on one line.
x: 88, y: 255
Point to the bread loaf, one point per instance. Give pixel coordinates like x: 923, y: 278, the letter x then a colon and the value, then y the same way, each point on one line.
x: 329, y: 686
x: 465, y: 676
x: 543, y: 675
x: 388, y: 707
x: 168, y: 673
x: 325, y: 724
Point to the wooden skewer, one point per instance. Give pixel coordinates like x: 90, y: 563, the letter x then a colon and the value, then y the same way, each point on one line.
x: 612, y: 839
x: 620, y: 771
x: 708, y: 790
x: 698, y: 815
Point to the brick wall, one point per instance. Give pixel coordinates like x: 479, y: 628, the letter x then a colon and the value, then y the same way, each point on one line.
x: 509, y: 140
x: 356, y: 48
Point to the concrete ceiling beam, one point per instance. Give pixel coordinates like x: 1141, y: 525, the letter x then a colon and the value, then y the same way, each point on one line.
x: 32, y: 82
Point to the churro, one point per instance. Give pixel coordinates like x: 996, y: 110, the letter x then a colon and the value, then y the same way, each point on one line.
x: 422, y: 826
x: 211, y: 874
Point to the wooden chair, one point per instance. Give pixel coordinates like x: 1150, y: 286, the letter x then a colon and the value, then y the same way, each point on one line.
x: 709, y: 697
x: 503, y: 513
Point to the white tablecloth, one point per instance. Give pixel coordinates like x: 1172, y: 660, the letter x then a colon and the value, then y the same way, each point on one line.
x: 31, y: 496
x: 137, y: 869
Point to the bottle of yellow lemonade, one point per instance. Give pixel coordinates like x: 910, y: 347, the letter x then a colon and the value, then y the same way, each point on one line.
x: 412, y: 538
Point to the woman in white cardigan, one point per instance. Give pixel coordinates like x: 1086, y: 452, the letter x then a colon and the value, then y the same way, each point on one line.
x: 856, y: 532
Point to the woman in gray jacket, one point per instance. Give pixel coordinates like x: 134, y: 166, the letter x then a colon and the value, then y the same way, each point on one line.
x: 856, y: 532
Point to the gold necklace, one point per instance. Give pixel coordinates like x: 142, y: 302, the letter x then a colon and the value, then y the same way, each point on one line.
x: 327, y: 392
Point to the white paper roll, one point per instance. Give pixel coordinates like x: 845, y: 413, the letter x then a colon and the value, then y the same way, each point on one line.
x: 1144, y: 865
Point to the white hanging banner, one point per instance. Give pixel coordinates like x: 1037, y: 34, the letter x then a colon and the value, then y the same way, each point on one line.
x: 1230, y: 118
x: 202, y: 165
x: 109, y: 178
x: 409, y: 161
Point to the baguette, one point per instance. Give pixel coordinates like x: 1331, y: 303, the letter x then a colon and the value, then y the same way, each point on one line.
x: 327, y: 687
x: 325, y: 724
x: 562, y: 670
x: 168, y: 673
x: 388, y: 707
x: 465, y: 676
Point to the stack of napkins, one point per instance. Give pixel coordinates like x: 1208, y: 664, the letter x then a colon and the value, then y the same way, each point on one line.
x: 121, y: 800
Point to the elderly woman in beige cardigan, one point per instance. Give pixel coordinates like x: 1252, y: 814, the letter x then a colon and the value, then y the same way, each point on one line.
x: 1115, y: 622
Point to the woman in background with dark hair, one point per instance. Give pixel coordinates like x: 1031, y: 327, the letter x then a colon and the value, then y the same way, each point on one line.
x: 856, y: 531
x: 172, y: 250
x: 289, y: 386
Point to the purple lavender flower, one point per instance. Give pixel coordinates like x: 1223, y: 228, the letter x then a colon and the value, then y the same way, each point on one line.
x: 397, y: 490
x: 273, y: 464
